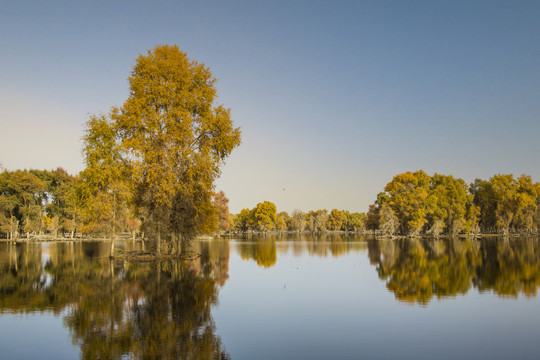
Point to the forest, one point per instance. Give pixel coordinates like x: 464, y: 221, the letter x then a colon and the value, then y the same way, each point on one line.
x: 35, y: 203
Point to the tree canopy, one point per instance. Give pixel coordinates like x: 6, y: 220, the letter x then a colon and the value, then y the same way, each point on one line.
x: 173, y: 138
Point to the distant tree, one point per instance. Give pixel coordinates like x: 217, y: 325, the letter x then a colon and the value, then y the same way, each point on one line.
x: 281, y: 225
x: 373, y: 218
x: 317, y: 220
x: 446, y: 204
x: 484, y: 199
x: 407, y: 194
x: 389, y: 223
x: 526, y: 207
x: 286, y: 219
x: 335, y: 219
x: 265, y: 216
x: 298, y: 220
x: 244, y: 220
x: 353, y: 221
x: 222, y: 204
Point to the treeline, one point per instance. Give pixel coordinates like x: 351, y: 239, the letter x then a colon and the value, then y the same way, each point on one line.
x: 39, y: 202
x: 415, y: 203
x: 264, y: 217
x: 34, y: 203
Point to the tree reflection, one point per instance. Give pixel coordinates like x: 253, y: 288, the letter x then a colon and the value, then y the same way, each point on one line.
x: 114, y: 309
x: 417, y: 270
x: 264, y: 249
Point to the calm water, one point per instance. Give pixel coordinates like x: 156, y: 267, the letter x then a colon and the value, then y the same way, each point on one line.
x: 326, y: 297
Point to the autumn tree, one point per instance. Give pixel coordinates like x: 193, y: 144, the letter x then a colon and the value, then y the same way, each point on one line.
x: 175, y: 139
x: 353, y: 221
x: 265, y: 215
x: 373, y: 218
x: 298, y: 220
x: 317, y: 220
x: 106, y: 178
x: 222, y: 204
x: 60, y: 186
x: 484, y: 198
x: 22, y: 201
x: 389, y: 223
x: 335, y: 219
x: 407, y: 194
x: 10, y: 205
x: 244, y: 220
x: 447, y: 204
x: 284, y: 221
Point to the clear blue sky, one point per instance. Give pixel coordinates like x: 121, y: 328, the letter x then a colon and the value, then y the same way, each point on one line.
x: 333, y: 97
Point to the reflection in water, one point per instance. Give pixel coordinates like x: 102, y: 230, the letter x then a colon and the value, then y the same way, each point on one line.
x: 417, y: 270
x: 113, y: 310
x: 163, y: 309
x: 264, y: 250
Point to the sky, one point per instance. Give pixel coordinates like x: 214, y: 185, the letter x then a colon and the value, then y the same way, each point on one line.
x: 333, y: 98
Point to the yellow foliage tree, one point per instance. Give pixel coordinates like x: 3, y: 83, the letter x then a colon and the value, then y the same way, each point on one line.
x: 175, y: 139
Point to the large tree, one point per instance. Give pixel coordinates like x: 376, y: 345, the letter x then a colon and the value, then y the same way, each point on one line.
x: 175, y: 138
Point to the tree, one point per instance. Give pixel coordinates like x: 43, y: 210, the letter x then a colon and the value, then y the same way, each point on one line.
x: 373, y: 218
x: 353, y: 221
x: 389, y: 222
x: 222, y: 203
x: 317, y: 220
x: 484, y: 199
x: 526, y: 197
x: 265, y: 215
x: 335, y: 219
x: 407, y: 194
x: 287, y: 223
x: 298, y: 220
x: 447, y: 204
x: 175, y: 139
x: 106, y: 178
x: 22, y: 198
x: 244, y: 220
x: 505, y: 195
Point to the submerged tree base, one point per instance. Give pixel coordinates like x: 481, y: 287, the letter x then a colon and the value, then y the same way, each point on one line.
x: 143, y: 256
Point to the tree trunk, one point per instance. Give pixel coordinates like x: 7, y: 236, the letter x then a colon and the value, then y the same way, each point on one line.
x: 158, y: 245
x: 112, y: 245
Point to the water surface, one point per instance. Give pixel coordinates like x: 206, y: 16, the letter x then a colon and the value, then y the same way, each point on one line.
x: 286, y: 297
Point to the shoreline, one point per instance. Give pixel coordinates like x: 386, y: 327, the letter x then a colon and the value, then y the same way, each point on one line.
x: 207, y: 237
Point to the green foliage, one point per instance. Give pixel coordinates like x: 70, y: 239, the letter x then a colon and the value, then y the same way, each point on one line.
x: 353, y: 221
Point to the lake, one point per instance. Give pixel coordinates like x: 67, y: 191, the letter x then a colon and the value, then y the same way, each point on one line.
x: 275, y: 297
